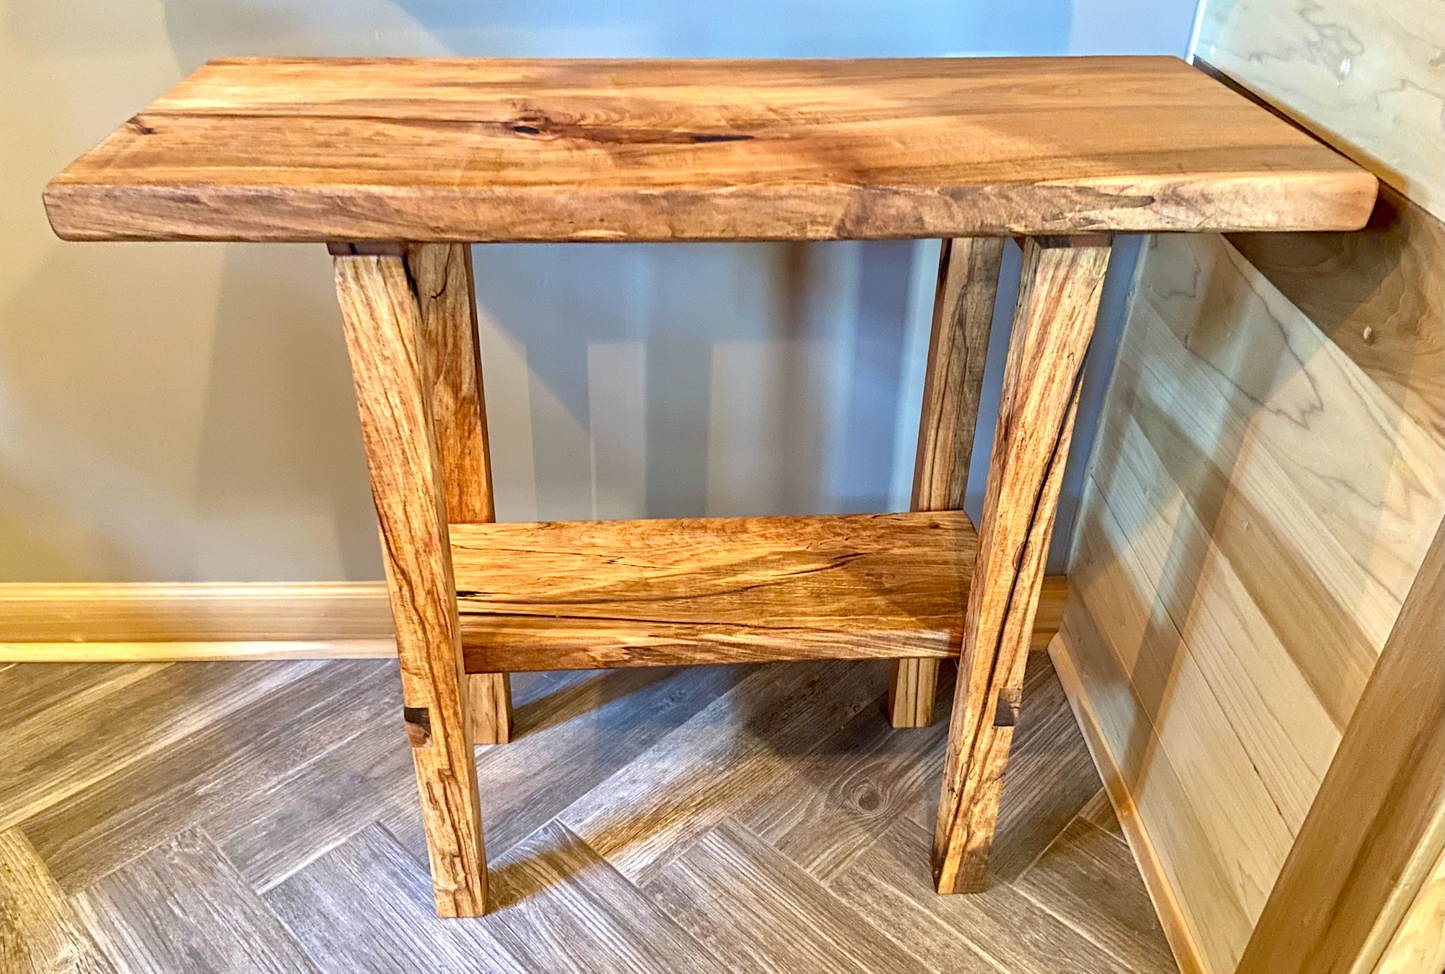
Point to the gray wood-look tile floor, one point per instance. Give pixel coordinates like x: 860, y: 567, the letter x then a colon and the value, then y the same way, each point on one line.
x: 239, y: 817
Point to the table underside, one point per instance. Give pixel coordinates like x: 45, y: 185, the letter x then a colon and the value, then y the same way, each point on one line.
x: 594, y: 150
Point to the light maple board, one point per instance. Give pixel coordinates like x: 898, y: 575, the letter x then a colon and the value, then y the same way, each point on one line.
x: 1257, y: 508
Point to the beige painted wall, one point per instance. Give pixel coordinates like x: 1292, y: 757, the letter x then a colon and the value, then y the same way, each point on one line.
x: 179, y: 412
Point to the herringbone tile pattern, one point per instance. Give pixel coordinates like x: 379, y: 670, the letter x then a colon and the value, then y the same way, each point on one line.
x: 239, y: 817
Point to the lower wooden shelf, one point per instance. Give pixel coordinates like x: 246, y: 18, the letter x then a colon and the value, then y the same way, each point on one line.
x: 685, y: 591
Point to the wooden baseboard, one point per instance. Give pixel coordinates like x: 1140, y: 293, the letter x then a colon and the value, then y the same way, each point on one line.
x: 1171, y: 917
x: 120, y: 622
x: 164, y: 622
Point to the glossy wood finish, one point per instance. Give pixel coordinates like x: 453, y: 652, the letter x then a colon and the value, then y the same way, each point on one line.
x: 668, y: 592
x: 442, y: 277
x: 1053, y: 322
x: 492, y: 150
x: 963, y: 303
x: 1377, y: 826
x: 382, y: 319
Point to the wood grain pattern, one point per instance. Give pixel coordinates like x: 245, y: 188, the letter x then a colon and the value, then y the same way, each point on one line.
x: 1086, y: 694
x: 710, y: 590
x: 967, y: 933
x: 1365, y: 74
x: 85, y: 736
x: 382, y: 321
x: 561, y: 908
x: 647, y: 813
x: 182, y: 907
x: 1089, y: 880
x: 39, y: 933
x: 1378, y: 294
x: 1418, y: 944
x: 354, y: 616
x: 402, y: 934
x: 1050, y: 775
x: 1054, y: 320
x: 963, y: 303
x: 577, y: 730
x: 1381, y: 800
x: 442, y: 277
x: 1256, y: 510
x: 201, y: 777
x: 221, y: 621
x: 481, y: 150
x: 352, y: 899
x: 728, y: 890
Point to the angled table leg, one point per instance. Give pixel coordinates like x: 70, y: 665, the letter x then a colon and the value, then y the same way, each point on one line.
x: 1053, y: 322
x: 957, y: 349
x: 382, y: 319
x: 442, y: 277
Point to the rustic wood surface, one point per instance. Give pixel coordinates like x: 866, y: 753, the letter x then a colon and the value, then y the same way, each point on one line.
x: 586, y: 594
x: 481, y: 150
x: 317, y: 817
x: 968, y: 271
x: 1378, y: 821
x: 1054, y: 320
x: 1257, y: 508
x: 442, y: 277
x: 381, y: 317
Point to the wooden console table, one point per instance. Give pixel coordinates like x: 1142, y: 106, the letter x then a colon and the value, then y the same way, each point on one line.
x: 399, y: 165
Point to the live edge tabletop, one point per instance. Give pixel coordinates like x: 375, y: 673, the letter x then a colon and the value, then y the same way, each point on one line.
x: 399, y: 164
x: 270, y: 149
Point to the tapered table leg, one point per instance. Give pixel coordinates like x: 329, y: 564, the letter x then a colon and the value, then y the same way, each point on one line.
x: 382, y: 318
x: 957, y: 351
x: 1053, y: 322
x: 442, y: 277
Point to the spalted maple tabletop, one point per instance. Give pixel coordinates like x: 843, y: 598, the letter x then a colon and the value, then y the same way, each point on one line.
x: 485, y: 150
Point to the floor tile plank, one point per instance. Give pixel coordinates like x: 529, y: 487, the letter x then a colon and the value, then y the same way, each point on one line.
x: 1089, y: 880
x: 758, y: 911
x: 561, y: 909
x: 365, y: 907
x: 182, y: 908
x: 209, y: 772
x: 651, y: 810
x: 39, y: 933
x: 586, y: 729
x: 85, y: 737
x: 891, y: 885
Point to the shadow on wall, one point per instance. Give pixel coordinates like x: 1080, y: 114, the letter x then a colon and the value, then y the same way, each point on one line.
x: 184, y: 411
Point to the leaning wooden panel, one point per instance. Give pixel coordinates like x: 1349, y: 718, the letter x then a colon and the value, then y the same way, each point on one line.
x: 442, y: 276
x: 1365, y: 74
x: 968, y: 272
x: 482, y: 150
x: 1053, y: 322
x: 662, y: 592
x: 1377, y: 810
x: 381, y: 318
x: 1378, y: 294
